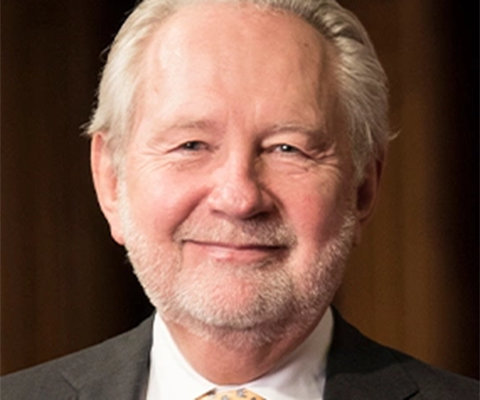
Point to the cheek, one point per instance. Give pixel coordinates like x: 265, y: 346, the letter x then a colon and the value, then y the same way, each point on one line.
x: 315, y: 214
x: 161, y: 201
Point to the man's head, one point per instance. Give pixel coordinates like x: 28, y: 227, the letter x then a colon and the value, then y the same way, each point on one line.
x: 238, y: 179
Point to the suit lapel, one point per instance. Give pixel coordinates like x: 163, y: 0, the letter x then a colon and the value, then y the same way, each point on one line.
x: 358, y: 368
x: 119, y: 371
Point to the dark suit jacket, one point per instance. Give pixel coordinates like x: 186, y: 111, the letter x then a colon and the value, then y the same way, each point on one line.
x: 357, y: 368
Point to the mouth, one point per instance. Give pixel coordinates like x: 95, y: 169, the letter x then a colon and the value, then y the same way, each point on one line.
x: 234, y: 252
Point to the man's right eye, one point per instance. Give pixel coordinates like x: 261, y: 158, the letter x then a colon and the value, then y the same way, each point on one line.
x: 193, y: 145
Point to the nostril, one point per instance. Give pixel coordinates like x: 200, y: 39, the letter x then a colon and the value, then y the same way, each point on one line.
x: 239, y: 198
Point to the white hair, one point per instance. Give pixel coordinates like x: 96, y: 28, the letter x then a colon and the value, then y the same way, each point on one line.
x: 361, y: 79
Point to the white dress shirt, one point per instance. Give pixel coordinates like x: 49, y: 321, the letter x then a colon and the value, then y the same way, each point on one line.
x: 301, y: 376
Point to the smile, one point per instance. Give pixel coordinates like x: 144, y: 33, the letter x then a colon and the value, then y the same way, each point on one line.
x: 233, y: 252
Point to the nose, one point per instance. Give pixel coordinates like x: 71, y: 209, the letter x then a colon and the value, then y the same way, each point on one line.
x: 238, y: 190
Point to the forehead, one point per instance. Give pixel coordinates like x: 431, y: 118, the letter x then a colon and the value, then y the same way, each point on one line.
x: 237, y: 34
x: 262, y: 61
x: 210, y: 22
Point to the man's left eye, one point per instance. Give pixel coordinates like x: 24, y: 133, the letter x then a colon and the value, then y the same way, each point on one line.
x: 286, y: 148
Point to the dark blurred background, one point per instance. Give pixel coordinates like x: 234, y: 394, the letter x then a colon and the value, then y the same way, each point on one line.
x: 413, y: 284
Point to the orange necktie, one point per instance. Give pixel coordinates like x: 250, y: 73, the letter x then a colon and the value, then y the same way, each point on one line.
x: 239, y: 394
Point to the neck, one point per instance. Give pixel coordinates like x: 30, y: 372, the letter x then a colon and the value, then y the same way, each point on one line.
x: 236, y: 357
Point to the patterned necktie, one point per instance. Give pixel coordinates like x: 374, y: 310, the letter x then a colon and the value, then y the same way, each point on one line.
x: 239, y: 394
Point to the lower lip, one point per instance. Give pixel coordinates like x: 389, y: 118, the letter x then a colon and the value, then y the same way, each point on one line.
x: 231, y: 253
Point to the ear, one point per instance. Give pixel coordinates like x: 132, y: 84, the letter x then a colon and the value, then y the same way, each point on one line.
x: 367, y: 192
x: 105, y: 180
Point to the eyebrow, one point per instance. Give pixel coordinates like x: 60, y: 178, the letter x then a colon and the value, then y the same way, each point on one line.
x: 185, y: 123
x: 313, y: 131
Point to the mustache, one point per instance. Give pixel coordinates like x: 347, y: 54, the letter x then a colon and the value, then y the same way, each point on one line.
x: 271, y: 232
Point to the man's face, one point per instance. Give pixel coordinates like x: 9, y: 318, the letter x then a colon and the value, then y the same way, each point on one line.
x: 236, y: 201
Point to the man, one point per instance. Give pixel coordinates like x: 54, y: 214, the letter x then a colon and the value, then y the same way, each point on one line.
x: 236, y: 153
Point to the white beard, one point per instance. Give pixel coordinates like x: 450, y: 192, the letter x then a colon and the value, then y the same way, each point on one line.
x: 277, y: 298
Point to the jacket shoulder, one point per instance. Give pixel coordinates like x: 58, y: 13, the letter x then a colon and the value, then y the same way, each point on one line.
x: 63, y: 377
x: 435, y: 383
x: 359, y: 367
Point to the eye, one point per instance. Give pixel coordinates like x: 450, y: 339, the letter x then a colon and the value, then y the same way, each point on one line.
x: 193, y: 145
x: 287, y: 151
x: 286, y: 148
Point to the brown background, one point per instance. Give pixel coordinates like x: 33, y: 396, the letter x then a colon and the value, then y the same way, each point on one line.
x: 412, y: 284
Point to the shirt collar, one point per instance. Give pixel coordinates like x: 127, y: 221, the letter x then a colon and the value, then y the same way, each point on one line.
x: 301, y: 375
